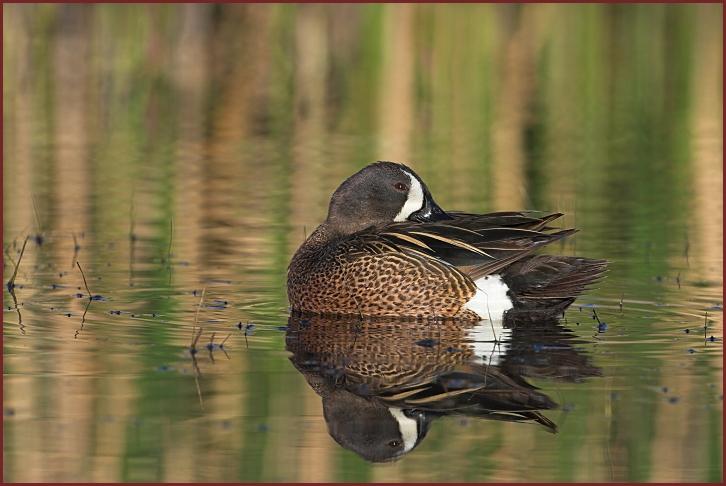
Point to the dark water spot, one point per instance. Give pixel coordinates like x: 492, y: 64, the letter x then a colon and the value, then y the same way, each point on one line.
x: 98, y: 297
x: 602, y: 327
x: 281, y: 328
x: 9, y: 412
x: 79, y: 295
x: 687, y: 331
x: 713, y: 339
x: 68, y: 314
x: 117, y: 312
x: 262, y: 428
x: 716, y: 307
x: 664, y: 389
x: 39, y: 239
x: 453, y: 350
x: 673, y: 399
x: 427, y: 343
x: 164, y: 368
x: 250, y: 329
x: 691, y: 350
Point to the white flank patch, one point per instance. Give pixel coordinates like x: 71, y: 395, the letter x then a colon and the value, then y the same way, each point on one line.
x: 491, y: 300
x: 414, y: 201
x: 490, y: 341
x: 489, y: 338
x: 407, y: 426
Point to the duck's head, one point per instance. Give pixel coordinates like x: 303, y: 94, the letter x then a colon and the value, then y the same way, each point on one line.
x: 372, y: 430
x: 380, y: 194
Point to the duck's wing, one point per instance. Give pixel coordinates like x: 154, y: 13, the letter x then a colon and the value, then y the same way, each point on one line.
x: 476, y: 245
x: 534, y: 220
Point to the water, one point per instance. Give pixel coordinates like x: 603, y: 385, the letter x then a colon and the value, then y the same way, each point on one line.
x: 179, y: 154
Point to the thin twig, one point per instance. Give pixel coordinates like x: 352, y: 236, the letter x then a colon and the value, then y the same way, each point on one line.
x: 705, y: 327
x: 90, y: 295
x: 83, y: 320
x: 221, y: 345
x: 199, y: 306
x: 11, y: 282
x: 197, y: 373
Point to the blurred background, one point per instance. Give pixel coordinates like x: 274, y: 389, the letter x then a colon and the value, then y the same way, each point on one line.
x: 175, y: 148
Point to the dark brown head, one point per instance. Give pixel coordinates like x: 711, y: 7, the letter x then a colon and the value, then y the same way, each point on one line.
x: 380, y: 194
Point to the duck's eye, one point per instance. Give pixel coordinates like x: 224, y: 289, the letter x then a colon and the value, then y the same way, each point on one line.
x: 394, y: 443
x: 400, y: 186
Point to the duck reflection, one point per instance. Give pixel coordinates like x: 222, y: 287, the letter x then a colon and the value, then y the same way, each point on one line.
x: 383, y: 381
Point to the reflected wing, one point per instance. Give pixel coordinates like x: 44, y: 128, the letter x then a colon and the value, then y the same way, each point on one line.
x: 476, y: 390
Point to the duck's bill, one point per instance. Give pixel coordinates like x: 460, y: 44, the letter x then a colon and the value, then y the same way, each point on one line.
x: 429, y: 212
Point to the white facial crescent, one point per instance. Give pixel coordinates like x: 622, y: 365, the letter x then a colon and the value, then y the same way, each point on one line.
x: 414, y: 201
x: 407, y: 427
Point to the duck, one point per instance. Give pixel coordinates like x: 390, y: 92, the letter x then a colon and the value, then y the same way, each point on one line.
x: 387, y: 249
x: 384, y: 381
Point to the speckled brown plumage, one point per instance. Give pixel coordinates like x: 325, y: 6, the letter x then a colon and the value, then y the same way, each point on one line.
x: 375, y: 279
x: 410, y: 269
x: 381, y: 353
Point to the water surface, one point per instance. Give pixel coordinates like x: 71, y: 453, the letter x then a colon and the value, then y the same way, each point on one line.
x: 180, y: 154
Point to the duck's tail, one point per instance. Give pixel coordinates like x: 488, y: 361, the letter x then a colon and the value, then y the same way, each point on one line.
x: 543, y: 286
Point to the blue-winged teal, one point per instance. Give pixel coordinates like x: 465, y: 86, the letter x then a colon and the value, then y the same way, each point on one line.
x: 383, y: 381
x: 387, y: 249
